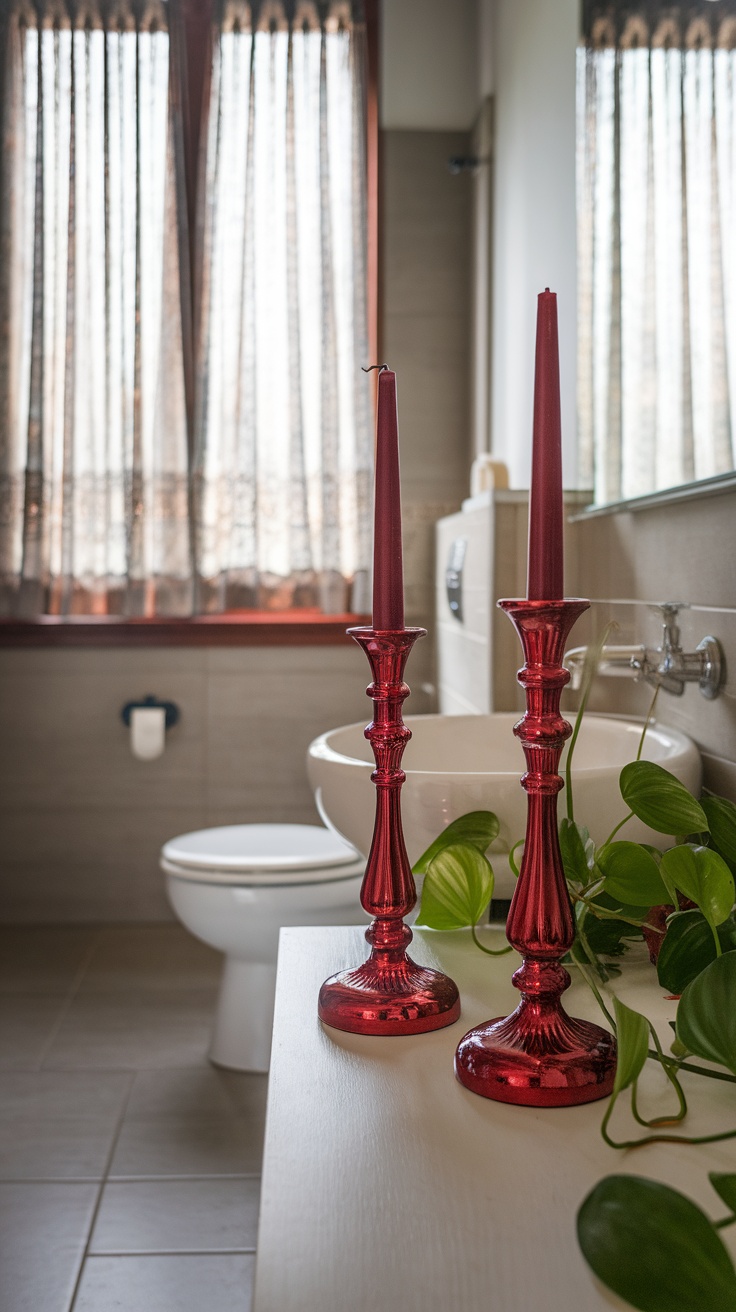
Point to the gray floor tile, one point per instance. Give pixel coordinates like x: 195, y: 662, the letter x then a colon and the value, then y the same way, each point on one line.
x: 41, y: 1095
x: 69, y: 1149
x: 248, y: 1093
x: 27, y: 1022
x: 58, y: 1124
x: 43, y: 1229
x: 154, y: 956
x: 164, y: 1216
x: 42, y: 958
x: 166, y: 1284
x: 134, y: 1030
x: 189, y: 1145
x: 199, y: 1091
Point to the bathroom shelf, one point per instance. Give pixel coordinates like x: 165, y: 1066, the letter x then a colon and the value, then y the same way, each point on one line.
x: 387, y: 1183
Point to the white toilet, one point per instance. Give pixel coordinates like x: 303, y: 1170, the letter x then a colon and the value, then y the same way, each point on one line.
x: 234, y: 887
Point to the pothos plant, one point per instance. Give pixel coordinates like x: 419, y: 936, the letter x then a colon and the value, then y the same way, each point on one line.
x: 650, y: 1244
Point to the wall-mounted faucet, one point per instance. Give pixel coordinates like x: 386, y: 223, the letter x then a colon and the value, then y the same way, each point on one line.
x: 668, y: 666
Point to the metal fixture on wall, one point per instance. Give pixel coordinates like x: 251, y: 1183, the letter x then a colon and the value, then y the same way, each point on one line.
x: 148, y: 721
x: 668, y: 666
x: 170, y: 709
x: 465, y: 164
x: 454, y: 577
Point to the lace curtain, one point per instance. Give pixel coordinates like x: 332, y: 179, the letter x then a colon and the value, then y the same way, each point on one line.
x: 183, y: 423
x: 93, y: 447
x: 283, y: 440
x: 656, y: 245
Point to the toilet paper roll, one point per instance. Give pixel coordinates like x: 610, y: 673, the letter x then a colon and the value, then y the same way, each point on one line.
x: 147, y: 732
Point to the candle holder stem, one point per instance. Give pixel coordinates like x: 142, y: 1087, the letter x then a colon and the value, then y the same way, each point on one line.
x: 389, y: 993
x: 539, y: 1056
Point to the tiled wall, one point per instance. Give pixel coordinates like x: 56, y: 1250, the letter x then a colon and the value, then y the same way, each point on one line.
x: 626, y: 562
x: 82, y: 821
x: 681, y: 551
x: 425, y: 324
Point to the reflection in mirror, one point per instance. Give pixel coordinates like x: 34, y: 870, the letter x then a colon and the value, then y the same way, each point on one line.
x: 656, y: 149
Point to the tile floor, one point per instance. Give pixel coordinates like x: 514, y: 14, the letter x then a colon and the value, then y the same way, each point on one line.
x: 129, y: 1166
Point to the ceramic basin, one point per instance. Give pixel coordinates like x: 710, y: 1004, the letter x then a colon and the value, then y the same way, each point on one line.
x: 459, y: 763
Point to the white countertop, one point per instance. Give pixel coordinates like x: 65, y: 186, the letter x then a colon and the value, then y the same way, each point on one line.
x: 387, y: 1184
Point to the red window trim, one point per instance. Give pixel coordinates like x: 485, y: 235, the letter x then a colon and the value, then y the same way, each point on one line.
x: 295, y: 628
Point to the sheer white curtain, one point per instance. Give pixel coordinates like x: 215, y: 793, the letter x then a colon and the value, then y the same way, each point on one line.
x: 93, y: 445
x: 657, y: 246
x: 283, y: 429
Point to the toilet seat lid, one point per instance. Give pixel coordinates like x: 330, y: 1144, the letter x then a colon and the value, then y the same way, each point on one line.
x: 269, y: 848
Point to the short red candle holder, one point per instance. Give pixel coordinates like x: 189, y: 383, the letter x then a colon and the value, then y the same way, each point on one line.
x: 389, y: 993
x: 539, y: 1056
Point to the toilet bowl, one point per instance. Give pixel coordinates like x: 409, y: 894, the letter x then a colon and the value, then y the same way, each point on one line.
x: 234, y: 887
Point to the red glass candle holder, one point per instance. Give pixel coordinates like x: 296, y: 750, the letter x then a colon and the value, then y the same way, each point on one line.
x: 539, y: 1056
x: 389, y: 993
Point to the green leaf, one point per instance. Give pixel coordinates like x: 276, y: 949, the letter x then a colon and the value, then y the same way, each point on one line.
x: 479, y: 828
x: 604, y: 936
x: 632, y: 1038
x: 631, y: 874
x: 725, y: 1186
x: 578, y: 851
x: 457, y: 888
x: 655, y: 1248
x: 654, y: 852
x: 721, y: 816
x: 703, y: 876
x: 605, y: 900
x: 706, y: 1015
x: 660, y: 800
x: 688, y: 947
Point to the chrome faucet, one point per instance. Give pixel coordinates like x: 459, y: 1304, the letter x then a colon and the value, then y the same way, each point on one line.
x: 668, y: 666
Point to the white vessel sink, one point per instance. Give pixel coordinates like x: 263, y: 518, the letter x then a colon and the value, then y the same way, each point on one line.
x: 459, y: 763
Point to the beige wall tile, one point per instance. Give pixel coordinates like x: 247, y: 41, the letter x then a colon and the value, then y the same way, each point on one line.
x: 64, y: 742
x: 719, y: 776
x: 682, y: 551
x: 430, y: 356
x: 87, y: 864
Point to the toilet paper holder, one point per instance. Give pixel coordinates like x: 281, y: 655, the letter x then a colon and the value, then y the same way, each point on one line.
x: 171, y: 710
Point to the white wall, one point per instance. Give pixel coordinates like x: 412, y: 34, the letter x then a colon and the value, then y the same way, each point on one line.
x: 429, y: 64
x: 534, y: 218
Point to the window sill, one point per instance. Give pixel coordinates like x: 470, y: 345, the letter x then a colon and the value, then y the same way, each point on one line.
x: 698, y: 491
x: 232, y: 629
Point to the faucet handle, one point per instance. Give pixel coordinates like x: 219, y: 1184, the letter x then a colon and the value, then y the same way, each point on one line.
x: 669, y: 610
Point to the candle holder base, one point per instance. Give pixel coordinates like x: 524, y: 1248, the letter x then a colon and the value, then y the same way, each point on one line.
x: 389, y: 993
x: 389, y: 998
x: 538, y: 1056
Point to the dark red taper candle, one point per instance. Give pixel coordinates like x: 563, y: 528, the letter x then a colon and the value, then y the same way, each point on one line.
x: 388, y: 565
x: 545, y: 576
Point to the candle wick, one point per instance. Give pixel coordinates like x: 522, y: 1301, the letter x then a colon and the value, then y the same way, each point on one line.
x: 373, y: 366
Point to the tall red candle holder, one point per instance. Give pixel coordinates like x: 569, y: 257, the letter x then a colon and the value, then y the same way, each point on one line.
x: 389, y: 993
x: 539, y: 1056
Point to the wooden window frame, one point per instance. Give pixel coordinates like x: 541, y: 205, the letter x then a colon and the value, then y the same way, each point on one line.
x: 294, y: 628
x: 232, y: 628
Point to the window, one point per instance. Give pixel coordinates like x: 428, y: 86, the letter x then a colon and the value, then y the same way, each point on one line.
x: 284, y: 418
x: 657, y: 245
x: 186, y: 428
